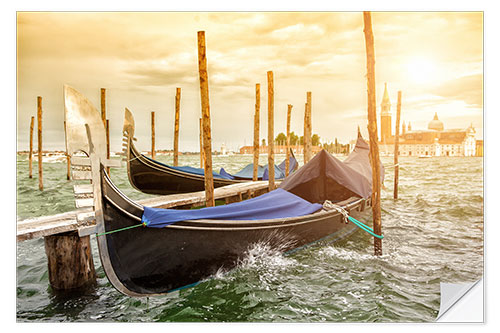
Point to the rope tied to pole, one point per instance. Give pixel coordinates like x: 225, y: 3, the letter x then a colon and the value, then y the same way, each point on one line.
x: 328, y: 205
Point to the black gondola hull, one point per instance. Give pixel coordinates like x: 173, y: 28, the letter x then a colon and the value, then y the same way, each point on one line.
x: 158, y: 260
x: 152, y: 177
x: 148, y: 261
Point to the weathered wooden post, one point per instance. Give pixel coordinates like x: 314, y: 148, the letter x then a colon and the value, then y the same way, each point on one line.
x: 30, y: 158
x: 205, y: 110
x: 201, y: 144
x: 307, y: 132
x: 304, y: 147
x: 309, y: 124
x: 68, y: 166
x: 287, y: 157
x: 372, y: 130
x: 70, y: 263
x: 105, y: 122
x: 176, y: 128
x: 256, y: 135
x: 103, y: 105
x: 40, y: 150
x: 270, y: 128
x: 108, y: 151
x: 153, y: 151
x: 396, y: 147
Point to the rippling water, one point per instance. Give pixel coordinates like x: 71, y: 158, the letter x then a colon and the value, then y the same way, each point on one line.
x: 433, y: 233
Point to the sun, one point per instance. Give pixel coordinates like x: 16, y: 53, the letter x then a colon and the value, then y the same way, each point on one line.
x: 422, y: 70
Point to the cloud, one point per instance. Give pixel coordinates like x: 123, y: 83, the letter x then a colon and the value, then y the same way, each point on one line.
x: 466, y: 88
x: 141, y: 56
x: 446, y: 36
x: 154, y: 76
x: 98, y: 35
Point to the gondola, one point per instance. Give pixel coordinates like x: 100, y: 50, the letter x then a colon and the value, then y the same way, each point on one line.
x: 153, y: 177
x: 145, y: 253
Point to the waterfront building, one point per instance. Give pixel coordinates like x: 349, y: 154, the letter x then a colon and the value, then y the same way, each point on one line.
x: 433, y: 141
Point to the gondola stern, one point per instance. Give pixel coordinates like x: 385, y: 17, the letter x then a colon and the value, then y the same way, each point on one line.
x: 128, y: 124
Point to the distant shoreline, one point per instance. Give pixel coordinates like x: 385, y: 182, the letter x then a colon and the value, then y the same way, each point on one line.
x: 158, y: 152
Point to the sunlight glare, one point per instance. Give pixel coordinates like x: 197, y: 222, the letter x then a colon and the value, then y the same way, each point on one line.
x: 421, y: 70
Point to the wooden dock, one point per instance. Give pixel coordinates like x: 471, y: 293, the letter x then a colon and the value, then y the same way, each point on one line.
x: 65, y: 222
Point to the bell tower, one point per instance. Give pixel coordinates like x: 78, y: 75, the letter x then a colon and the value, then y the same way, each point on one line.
x: 385, y: 117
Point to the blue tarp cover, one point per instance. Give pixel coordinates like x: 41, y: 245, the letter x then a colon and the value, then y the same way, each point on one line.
x: 245, y: 173
x: 199, y: 171
x: 275, y: 204
x: 262, y: 171
x: 292, y: 166
x: 192, y: 170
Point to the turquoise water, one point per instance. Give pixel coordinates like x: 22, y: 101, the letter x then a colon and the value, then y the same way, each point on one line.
x: 433, y: 233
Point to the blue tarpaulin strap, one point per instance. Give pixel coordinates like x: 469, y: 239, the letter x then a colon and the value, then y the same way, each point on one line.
x: 275, y: 204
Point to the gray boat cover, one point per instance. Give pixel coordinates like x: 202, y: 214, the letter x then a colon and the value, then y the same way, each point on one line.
x: 325, y: 177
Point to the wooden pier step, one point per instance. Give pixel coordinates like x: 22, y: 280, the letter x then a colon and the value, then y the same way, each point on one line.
x: 83, y: 221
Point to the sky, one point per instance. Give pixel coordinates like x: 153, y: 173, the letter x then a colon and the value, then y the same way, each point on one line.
x: 140, y: 58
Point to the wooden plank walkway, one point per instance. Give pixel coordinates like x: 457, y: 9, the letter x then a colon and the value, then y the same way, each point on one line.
x: 64, y: 222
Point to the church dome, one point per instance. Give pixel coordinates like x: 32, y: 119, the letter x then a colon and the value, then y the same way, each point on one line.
x: 436, y: 124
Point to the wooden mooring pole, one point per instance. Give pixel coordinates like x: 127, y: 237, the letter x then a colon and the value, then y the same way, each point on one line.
x: 103, y: 105
x: 70, y: 263
x: 108, y: 151
x: 304, y: 147
x: 105, y: 122
x: 396, y: 148
x: 40, y: 150
x: 176, y: 126
x: 372, y: 130
x: 256, y: 135
x: 307, y: 132
x: 287, y: 158
x: 153, y: 150
x: 270, y: 128
x: 32, y: 124
x: 205, y: 111
x: 201, y: 144
x: 68, y: 167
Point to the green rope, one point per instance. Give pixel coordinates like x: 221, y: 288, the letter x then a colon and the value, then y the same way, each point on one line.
x: 352, y: 219
x: 364, y: 227
x: 112, y: 231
